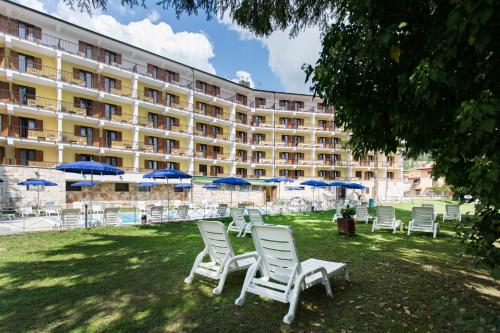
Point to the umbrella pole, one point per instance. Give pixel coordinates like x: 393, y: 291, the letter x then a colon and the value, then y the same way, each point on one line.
x: 168, y: 202
x: 231, y: 200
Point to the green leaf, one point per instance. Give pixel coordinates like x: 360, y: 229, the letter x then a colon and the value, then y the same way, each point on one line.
x: 395, y: 53
x: 402, y: 25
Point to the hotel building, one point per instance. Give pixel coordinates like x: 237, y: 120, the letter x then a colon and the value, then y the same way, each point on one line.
x: 70, y: 94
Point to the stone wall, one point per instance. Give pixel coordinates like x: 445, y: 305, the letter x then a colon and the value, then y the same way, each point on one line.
x: 15, y: 196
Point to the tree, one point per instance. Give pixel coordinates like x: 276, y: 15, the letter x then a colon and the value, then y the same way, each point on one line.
x: 419, y: 76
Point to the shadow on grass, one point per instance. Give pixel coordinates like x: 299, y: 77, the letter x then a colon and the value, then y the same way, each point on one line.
x: 131, y: 279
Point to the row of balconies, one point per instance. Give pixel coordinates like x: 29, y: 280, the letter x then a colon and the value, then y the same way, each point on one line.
x: 97, y: 113
x: 130, y: 67
x: 240, y: 172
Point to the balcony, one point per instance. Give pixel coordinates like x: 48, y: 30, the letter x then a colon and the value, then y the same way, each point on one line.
x: 213, y: 114
x: 222, y: 94
x: 211, y: 135
x: 41, y: 135
x: 262, y: 160
x: 29, y: 101
x: 117, y: 144
x: 212, y: 155
x: 38, y: 164
x: 156, y: 149
x: 28, y: 67
x: 163, y: 126
x: 71, y: 139
x: 72, y: 48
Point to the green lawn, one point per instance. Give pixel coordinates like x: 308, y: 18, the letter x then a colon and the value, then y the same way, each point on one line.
x: 131, y: 279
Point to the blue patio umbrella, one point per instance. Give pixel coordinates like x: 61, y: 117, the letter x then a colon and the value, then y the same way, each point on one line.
x: 279, y: 180
x: 211, y: 186
x: 167, y: 174
x: 341, y: 184
x: 232, y: 181
x: 84, y: 183
x: 355, y: 186
x: 90, y: 168
x: 314, y: 184
x: 147, y: 185
x: 37, y: 182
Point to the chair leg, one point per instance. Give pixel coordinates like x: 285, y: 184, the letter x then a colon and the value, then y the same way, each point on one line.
x: 248, y: 278
x: 347, y: 278
x: 222, y: 281
x: 294, y: 299
x: 197, y: 261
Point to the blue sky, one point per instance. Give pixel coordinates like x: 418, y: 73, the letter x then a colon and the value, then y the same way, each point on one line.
x: 216, y: 46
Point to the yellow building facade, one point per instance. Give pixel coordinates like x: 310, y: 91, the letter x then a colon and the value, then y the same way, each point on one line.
x: 69, y: 94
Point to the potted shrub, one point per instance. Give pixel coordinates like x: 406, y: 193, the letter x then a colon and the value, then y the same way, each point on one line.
x: 346, y: 223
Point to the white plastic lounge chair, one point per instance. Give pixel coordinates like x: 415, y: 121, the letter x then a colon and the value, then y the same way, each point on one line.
x: 50, y: 208
x: 255, y: 219
x: 433, y: 211
x: 182, y: 213
x: 362, y: 214
x: 423, y: 220
x: 142, y: 207
x: 386, y: 219
x: 283, y: 275
x: 27, y: 210
x: 238, y: 224
x: 452, y: 213
x: 111, y: 216
x: 70, y: 218
x: 156, y: 214
x: 7, y: 216
x: 97, y: 208
x: 338, y: 207
x: 222, y: 210
x: 222, y: 258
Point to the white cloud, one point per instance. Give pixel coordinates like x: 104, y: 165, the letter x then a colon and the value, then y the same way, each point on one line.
x: 191, y: 48
x: 154, y: 16
x: 286, y: 55
x: 242, y: 75
x: 33, y: 4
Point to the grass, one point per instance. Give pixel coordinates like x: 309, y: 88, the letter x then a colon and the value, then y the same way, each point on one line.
x: 131, y: 279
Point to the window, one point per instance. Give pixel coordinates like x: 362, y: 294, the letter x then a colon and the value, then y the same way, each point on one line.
x: 153, y: 119
x: 172, y: 165
x: 170, y: 122
x: 171, y: 144
x: 121, y: 187
x: 109, y: 111
x: 390, y: 175
x: 86, y: 77
x: 112, y: 160
x: 86, y: 157
x: 70, y: 188
x: 144, y: 189
x: 202, y: 168
x: 25, y: 61
x: 259, y: 172
x: 151, y: 164
x: 109, y: 84
x: 26, y: 155
x: 109, y: 57
x: 154, y: 71
x: 26, y: 31
x: 359, y: 174
x: 87, y: 105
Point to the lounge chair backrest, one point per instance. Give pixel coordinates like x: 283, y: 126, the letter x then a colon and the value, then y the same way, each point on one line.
x: 452, y: 211
x: 182, y: 211
x: 50, y: 205
x: 215, y: 238
x: 255, y: 217
x: 238, y: 217
x: 277, y: 252
x: 156, y: 214
x: 27, y: 209
x: 385, y: 214
x: 70, y: 218
x: 221, y: 211
x: 111, y: 215
x: 361, y: 211
x: 423, y: 216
